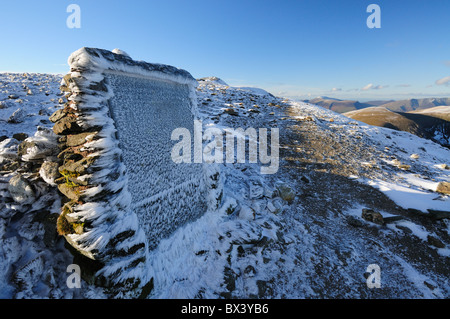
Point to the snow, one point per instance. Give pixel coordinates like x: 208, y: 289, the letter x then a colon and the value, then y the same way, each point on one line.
x: 165, y: 195
x: 119, y: 51
x: 254, y: 241
x: 97, y: 59
x: 411, y: 198
x: 253, y: 90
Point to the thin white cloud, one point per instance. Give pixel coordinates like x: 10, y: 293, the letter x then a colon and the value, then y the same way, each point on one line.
x: 367, y: 87
x: 336, y: 89
x: 443, y: 81
x: 404, y: 85
x: 374, y: 87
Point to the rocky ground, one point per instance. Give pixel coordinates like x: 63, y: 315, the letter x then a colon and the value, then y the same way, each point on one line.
x: 34, y: 258
x: 340, y: 201
x: 329, y: 161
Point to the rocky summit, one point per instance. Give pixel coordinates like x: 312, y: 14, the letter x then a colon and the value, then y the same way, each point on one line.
x: 346, y: 196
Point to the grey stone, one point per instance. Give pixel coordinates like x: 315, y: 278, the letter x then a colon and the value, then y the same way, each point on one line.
x: 21, y: 190
x: 49, y: 172
x: 17, y: 117
x: 285, y: 191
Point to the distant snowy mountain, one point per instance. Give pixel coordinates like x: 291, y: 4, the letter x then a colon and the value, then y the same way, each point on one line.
x: 339, y: 106
x: 342, y: 106
x: 416, y: 104
x: 347, y: 195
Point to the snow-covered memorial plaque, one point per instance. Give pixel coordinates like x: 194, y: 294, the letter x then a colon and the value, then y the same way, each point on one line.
x: 124, y: 192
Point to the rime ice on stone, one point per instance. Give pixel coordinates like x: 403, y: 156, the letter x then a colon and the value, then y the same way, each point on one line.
x: 126, y: 193
x: 145, y: 111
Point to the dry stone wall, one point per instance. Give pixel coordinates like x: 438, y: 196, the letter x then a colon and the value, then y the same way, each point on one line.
x: 123, y: 193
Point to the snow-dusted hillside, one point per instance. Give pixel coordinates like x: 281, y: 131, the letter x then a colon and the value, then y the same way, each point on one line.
x: 263, y: 242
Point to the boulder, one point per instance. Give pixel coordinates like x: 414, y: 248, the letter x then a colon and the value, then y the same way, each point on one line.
x: 49, y: 172
x: 17, y: 117
x: 285, y: 191
x: 443, y: 187
x: 372, y: 216
x: 21, y: 190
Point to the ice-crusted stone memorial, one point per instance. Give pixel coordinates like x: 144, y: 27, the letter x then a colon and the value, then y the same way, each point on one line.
x: 124, y: 193
x: 164, y: 195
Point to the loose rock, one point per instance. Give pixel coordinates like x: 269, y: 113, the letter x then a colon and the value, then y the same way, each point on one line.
x: 21, y: 190
x: 372, y: 216
x: 49, y: 172
x: 17, y: 117
x: 285, y: 191
x: 443, y: 187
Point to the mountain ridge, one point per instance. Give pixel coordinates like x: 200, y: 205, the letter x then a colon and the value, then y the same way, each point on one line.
x: 406, y: 105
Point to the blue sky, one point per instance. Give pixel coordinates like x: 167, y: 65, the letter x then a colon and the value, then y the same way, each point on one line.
x: 290, y: 48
